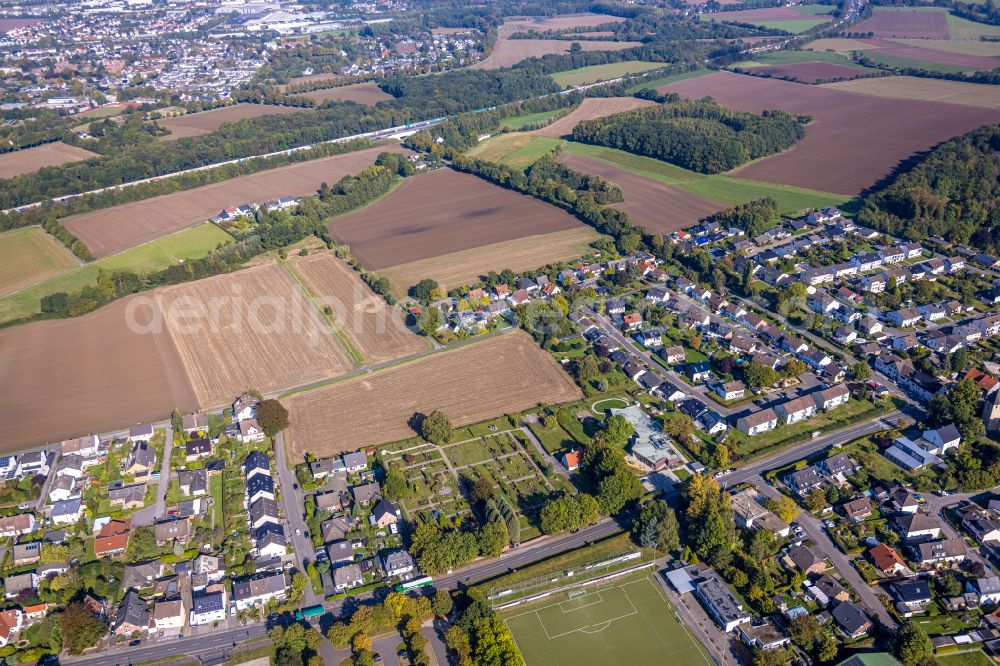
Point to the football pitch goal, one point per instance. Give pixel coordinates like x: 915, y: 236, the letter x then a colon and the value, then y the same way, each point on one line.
x: 626, y: 623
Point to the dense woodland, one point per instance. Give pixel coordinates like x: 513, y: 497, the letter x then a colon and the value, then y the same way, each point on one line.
x: 701, y: 136
x: 953, y: 192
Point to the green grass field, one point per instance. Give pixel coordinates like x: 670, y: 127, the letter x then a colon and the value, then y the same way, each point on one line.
x: 666, y: 80
x: 156, y: 255
x: 896, y: 61
x: 793, y: 57
x: 30, y: 255
x: 526, y: 155
x: 517, y: 122
x: 964, y: 29
x: 970, y: 658
x: 595, y: 73
x: 815, y: 10
x: 795, y: 27
x: 718, y: 187
x: 626, y: 623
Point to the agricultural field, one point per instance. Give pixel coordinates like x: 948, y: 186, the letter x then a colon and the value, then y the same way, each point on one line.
x: 908, y: 23
x: 589, y: 109
x: 7, y: 24
x: 466, y: 266
x: 30, y: 256
x: 793, y: 19
x: 931, y: 90
x: 499, y: 375
x: 909, y: 55
x: 196, y: 124
x: 560, y: 22
x: 28, y: 160
x: 312, y: 78
x: 518, y: 122
x: 192, y: 243
x: 621, y: 622
x: 584, y: 75
x: 978, y: 48
x: 813, y: 72
x: 508, y: 52
x: 374, y: 329
x: 254, y: 328
x: 716, y: 188
x: 964, y: 29
x: 846, y: 127
x: 99, y: 372
x: 112, y: 230
x: 656, y: 83
x: 659, y: 208
x: 412, y: 223
x: 362, y: 93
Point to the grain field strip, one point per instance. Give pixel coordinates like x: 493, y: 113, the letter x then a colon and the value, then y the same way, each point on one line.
x: 352, y: 352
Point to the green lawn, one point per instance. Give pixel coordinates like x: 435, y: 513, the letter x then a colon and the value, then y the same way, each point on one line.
x: 155, y: 255
x: 666, y: 80
x: 628, y: 622
x: 970, y: 658
x: 748, y: 446
x: 595, y: 73
x: 719, y: 187
x: 517, y: 122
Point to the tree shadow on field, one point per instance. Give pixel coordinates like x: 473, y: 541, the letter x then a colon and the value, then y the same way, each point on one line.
x: 416, y: 422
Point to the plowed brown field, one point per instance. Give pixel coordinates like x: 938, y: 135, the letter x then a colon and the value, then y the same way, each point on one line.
x: 914, y: 24
x: 658, y: 207
x: 362, y: 93
x: 853, y: 141
x: 467, y: 266
x: 112, y: 230
x: 91, y: 374
x: 504, y: 374
x: 592, y: 107
x: 196, y: 124
x: 250, y: 329
x: 442, y: 212
x: 373, y: 327
x: 33, y: 159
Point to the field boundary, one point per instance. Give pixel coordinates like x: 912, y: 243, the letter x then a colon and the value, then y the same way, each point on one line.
x: 352, y: 352
x: 564, y: 588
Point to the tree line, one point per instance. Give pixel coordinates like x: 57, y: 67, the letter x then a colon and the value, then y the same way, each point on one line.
x: 697, y: 135
x: 951, y: 192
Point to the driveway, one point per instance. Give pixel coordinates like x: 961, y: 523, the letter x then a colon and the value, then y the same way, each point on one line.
x: 158, y: 509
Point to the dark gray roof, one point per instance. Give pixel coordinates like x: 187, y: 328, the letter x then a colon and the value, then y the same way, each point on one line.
x: 849, y: 617
x: 257, y: 460
x: 208, y: 603
x: 259, y: 483
x: 132, y: 610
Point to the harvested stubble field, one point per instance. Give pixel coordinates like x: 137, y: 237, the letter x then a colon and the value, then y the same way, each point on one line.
x: 196, y: 124
x: 312, y: 78
x: 112, y: 230
x: 467, y: 266
x: 254, y: 328
x: 811, y: 72
x: 100, y: 374
x: 8, y: 24
x: 30, y: 256
x: 758, y: 15
x: 905, y: 24
x: 439, y: 213
x: 508, y: 52
x: 985, y: 49
x: 504, y: 374
x: 853, y: 141
x: 659, y: 208
x: 931, y: 90
x: 920, y: 54
x: 377, y: 330
x: 362, y: 93
x: 32, y: 159
x: 589, y: 109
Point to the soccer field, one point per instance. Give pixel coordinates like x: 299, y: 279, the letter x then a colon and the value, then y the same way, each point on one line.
x: 630, y: 623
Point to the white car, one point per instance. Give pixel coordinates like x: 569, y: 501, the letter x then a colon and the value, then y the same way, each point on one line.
x: 725, y: 472
x: 298, y: 532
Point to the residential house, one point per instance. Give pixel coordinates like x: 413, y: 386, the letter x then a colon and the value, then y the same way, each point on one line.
x: 918, y: 526
x: 981, y: 525
x: 763, y: 635
x: 34, y: 463
x: 729, y: 390
x: 674, y: 355
x: 250, y: 431
x: 804, y: 560
x: 757, y: 422
x: 367, y: 493
x: 571, y: 459
x: 258, y: 590
x: 698, y: 372
x: 796, y: 409
x: 751, y: 514
x: 168, y: 616
x: 67, y: 511
x: 111, y: 546
x: 912, y: 596
x: 128, y: 497
x: 141, y: 432
x: 347, y: 577
x: 887, y: 560
x: 851, y: 620
x: 18, y: 583
x: 245, y: 407
x: 355, y: 461
x: 208, y: 609
x: 197, y: 448
x: 194, y: 423
x: 831, y: 398
x: 257, y: 463
x: 397, y: 563
x: 259, y: 486
x: 193, y: 482
x: 986, y: 589
x: 831, y: 589
x: 131, y: 616
x: 905, y: 317
x: 141, y: 460
x: 262, y: 511
x: 857, y: 509
x: 139, y: 576
x: 385, y: 514
x: 27, y: 553
x: 340, y: 552
x: 935, y: 553
x: 168, y: 531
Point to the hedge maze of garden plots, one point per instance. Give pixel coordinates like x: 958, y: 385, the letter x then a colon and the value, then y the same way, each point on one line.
x: 435, y: 475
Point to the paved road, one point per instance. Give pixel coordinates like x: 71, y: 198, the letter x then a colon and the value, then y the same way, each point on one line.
x: 826, y: 547
x: 150, y: 514
x: 546, y: 456
x: 294, y: 501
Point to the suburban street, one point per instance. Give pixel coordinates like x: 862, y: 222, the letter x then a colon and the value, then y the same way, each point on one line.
x: 158, y: 510
x: 293, y: 500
